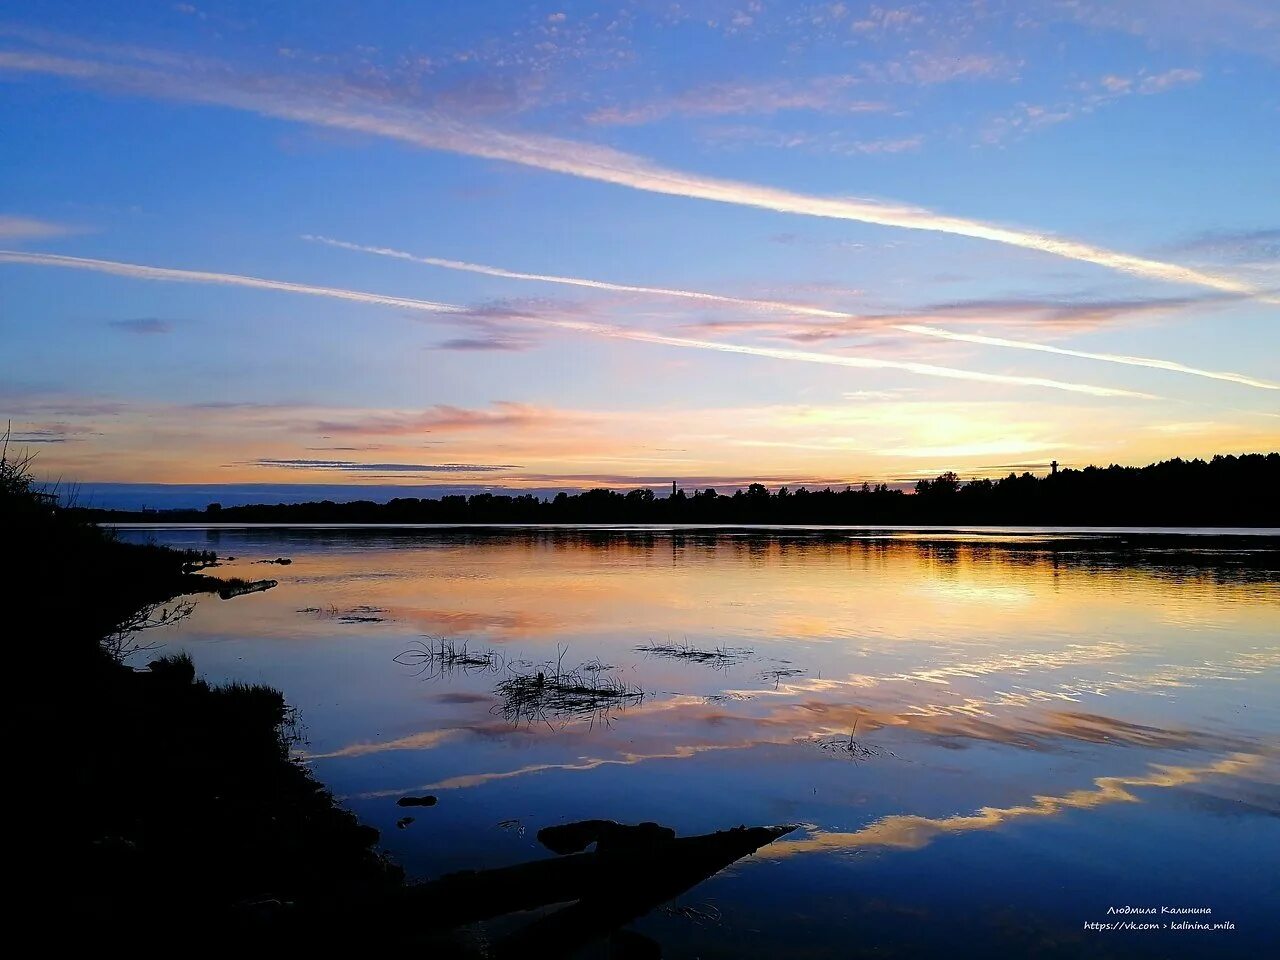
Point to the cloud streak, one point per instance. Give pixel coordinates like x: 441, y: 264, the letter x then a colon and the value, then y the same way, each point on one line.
x: 142, y: 325
x: 1152, y: 362
x: 445, y: 418
x: 864, y: 363
x: 822, y: 94
x: 344, y: 108
x: 805, y: 310
x: 353, y: 466
x: 27, y: 228
x: 139, y: 271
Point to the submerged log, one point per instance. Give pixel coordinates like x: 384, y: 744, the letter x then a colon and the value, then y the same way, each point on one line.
x: 610, y: 883
x: 236, y: 587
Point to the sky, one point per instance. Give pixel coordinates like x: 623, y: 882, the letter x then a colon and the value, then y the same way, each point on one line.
x: 540, y: 246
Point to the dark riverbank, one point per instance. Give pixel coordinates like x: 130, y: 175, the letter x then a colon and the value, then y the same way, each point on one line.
x: 1226, y: 491
x: 178, y: 809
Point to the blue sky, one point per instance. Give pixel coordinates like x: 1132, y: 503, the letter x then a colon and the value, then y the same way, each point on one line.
x: 916, y: 219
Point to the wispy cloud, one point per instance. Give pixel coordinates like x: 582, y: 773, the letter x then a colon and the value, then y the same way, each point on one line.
x: 1157, y: 364
x: 879, y: 20
x: 445, y: 418
x: 1168, y: 80
x: 57, y: 432
x: 855, y: 322
x: 18, y: 229
x: 928, y: 69
x: 575, y: 326
x: 1243, y: 26
x: 485, y: 343
x: 841, y: 360
x: 143, y: 325
x: 829, y: 94
x: 1086, y: 98
x: 1256, y: 247
x: 141, y: 272
x: 353, y: 466
x: 830, y: 142
x: 339, y: 107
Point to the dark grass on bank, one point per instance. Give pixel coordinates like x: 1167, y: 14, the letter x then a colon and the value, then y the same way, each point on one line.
x: 166, y: 807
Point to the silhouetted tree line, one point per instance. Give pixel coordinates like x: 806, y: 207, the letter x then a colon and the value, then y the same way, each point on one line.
x: 1224, y: 491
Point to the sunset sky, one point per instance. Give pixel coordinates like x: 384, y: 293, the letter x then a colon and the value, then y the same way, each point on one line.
x: 563, y: 245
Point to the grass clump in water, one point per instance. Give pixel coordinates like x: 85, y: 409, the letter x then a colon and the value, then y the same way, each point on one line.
x: 721, y: 656
x: 551, y: 692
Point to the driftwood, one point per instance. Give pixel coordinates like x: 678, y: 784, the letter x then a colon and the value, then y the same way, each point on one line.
x: 657, y: 873
x: 236, y: 587
x: 611, y: 886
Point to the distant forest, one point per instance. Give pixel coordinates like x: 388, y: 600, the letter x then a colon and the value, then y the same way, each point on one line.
x: 1239, y: 491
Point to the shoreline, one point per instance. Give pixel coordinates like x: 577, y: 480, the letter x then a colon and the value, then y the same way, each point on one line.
x: 994, y: 529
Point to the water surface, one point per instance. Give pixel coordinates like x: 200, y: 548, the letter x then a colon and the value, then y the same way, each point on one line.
x: 989, y: 737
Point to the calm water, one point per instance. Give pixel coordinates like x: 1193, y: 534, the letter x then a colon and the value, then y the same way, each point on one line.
x: 1044, y: 725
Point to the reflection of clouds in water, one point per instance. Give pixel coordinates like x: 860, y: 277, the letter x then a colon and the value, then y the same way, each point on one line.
x: 497, y: 626
x: 804, y: 719
x: 586, y: 763
x: 907, y: 832
x: 797, y: 723
x: 1237, y: 667
x: 1071, y: 655
x: 1004, y: 664
x: 417, y: 741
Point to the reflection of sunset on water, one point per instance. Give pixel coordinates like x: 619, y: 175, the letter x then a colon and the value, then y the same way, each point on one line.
x: 883, y: 690
x: 512, y: 588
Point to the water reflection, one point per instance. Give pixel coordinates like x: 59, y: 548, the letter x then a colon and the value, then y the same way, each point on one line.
x: 912, y: 833
x: 993, y: 686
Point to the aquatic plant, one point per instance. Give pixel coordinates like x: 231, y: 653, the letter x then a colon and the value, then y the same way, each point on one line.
x: 778, y: 674
x: 721, y: 656
x: 437, y: 657
x: 551, y: 692
x: 851, y: 747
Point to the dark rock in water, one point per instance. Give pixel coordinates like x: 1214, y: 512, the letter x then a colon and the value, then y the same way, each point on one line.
x: 427, y: 801
x: 283, y: 561
x: 403, y: 822
x: 607, y: 835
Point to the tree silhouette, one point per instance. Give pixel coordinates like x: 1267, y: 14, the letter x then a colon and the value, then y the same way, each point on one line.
x: 1224, y: 491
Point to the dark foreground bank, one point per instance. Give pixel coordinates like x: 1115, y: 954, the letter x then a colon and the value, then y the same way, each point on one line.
x: 178, y: 813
